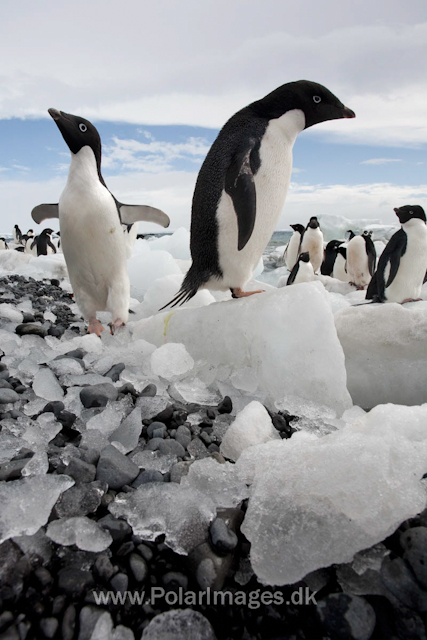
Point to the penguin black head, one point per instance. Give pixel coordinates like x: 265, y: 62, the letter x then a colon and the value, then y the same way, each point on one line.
x: 304, y: 257
x: 367, y: 234
x: 409, y: 212
x: 47, y: 232
x: 351, y: 234
x: 316, y: 102
x: 298, y: 228
x: 77, y: 132
x: 314, y: 223
x: 333, y: 245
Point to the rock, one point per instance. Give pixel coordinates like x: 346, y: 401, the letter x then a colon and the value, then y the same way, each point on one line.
x: 74, y: 582
x: 31, y: 329
x: 80, y: 500
x: 80, y: 470
x: 173, y: 580
x: 104, y: 568
x: 151, y: 475
x: 165, y: 416
x: 223, y: 539
x: 115, y: 469
x: 183, y: 436
x: 12, y: 470
x: 98, y: 395
x: 346, y: 617
x: 8, y: 395
x: 399, y: 579
x: 414, y: 541
x: 138, y: 566
x: 54, y: 407
x: 171, y: 447
x: 115, y: 371
x: 209, y: 569
x: 197, y: 449
x: 119, y: 529
x: 48, y: 627
x: 149, y: 391
x: 179, y: 470
x: 226, y: 405
x: 179, y: 624
x: 119, y: 582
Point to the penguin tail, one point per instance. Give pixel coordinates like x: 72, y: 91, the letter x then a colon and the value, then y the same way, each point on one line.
x: 190, y: 286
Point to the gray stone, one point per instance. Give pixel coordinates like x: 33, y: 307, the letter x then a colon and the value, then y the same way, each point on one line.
x: 197, y: 449
x: 209, y: 569
x: 118, y: 529
x: 74, y: 582
x: 223, y: 539
x: 399, y: 579
x: 120, y: 582
x: 179, y: 469
x: 104, y: 567
x: 80, y: 500
x: 48, y: 627
x: 414, y: 541
x: 150, y: 475
x: 115, y: 371
x: 27, y: 329
x: 171, y: 447
x: 115, y: 469
x: 8, y: 395
x: 80, y: 470
x: 138, y: 566
x: 179, y: 624
x: 347, y: 617
x: 98, y: 395
x: 12, y: 470
x: 183, y: 436
x: 69, y: 623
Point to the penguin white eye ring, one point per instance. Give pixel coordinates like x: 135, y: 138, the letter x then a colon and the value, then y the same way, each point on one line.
x: 82, y: 127
x: 317, y: 99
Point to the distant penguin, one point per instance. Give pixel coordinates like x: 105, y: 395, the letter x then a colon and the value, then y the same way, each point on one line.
x: 291, y: 252
x: 44, y: 244
x: 30, y: 244
x: 30, y: 233
x: 331, y: 252
x: 241, y: 187
x: 351, y: 235
x: 17, y: 235
x: 312, y: 242
x: 403, y: 263
x: 302, y: 271
x: 361, y: 256
x: 3, y: 244
x: 91, y: 221
x: 340, y: 267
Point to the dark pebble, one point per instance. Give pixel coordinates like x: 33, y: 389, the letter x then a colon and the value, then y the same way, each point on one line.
x: 31, y: 329
x: 75, y: 353
x: 118, y: 529
x: 81, y: 471
x: 223, y: 539
x: 20, y: 388
x: 164, y: 416
x: 98, y: 395
x: 225, y: 406
x: 128, y: 388
x: 414, y: 541
x: 48, y: 627
x: 69, y: 623
x: 126, y: 548
x: 150, y: 475
x: 145, y: 551
x: 197, y: 449
x: 27, y: 317
x: 115, y: 469
x: 91, y: 456
x: 211, y: 414
x: 399, y: 579
x: 56, y: 330
x: 74, y: 582
x: 8, y: 395
x: 115, y: 371
x: 149, y: 391
x: 138, y: 566
x: 54, y: 407
x: 4, y: 384
x: 156, y: 426
x: 171, y: 447
x: 80, y: 500
x: 173, y: 580
x: 346, y: 617
x: 104, y: 568
x: 6, y: 619
x: 119, y: 582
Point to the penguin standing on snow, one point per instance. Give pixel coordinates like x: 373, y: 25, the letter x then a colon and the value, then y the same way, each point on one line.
x: 17, y: 235
x: 313, y: 243
x: 403, y: 263
x: 91, y: 222
x: 331, y: 253
x: 44, y: 244
x: 242, y: 185
x: 303, y: 270
x: 361, y: 256
x: 3, y: 244
x: 292, y: 250
x: 340, y: 266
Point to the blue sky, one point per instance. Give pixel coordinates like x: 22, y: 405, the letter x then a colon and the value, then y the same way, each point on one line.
x: 175, y: 74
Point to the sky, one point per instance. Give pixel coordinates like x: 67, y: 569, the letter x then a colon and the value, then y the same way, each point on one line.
x: 160, y: 79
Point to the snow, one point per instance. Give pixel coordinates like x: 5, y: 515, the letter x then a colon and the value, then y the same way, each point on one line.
x: 81, y: 531
x: 27, y: 503
x: 316, y: 501
x: 182, y: 514
x: 252, y: 426
x: 385, y: 347
x: 284, y: 335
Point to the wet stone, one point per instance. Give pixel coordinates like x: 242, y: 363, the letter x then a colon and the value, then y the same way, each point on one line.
x: 138, y: 566
x: 98, y: 395
x: 226, y: 405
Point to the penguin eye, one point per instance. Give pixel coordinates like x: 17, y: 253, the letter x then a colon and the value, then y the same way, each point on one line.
x: 82, y: 127
x: 411, y: 213
x: 317, y: 99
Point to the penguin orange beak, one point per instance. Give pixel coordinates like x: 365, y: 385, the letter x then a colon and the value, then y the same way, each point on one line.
x: 348, y: 113
x: 54, y: 113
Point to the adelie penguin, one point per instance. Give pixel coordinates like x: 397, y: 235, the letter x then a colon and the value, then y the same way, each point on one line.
x: 43, y: 243
x: 361, y: 257
x: 3, y: 244
x: 91, y: 220
x: 403, y: 263
x: 331, y: 252
x: 242, y: 185
x: 292, y: 250
x: 302, y: 271
x: 312, y: 242
x: 340, y: 266
x: 17, y: 235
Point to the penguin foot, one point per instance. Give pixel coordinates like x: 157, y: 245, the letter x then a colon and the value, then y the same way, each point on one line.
x: 239, y: 293
x: 95, y: 327
x: 115, y: 325
x: 411, y: 300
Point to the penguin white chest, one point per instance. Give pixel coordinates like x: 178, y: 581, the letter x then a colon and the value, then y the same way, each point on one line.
x: 292, y: 250
x: 91, y: 235
x: 357, y: 262
x: 271, y: 185
x: 313, y: 243
x: 305, y: 273
x: 412, y: 266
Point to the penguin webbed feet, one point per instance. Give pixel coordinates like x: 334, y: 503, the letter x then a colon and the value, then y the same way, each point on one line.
x: 411, y: 300
x: 95, y: 327
x: 237, y: 292
x: 115, y: 325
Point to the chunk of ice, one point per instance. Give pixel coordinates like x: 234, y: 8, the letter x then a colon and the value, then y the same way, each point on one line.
x: 110, y: 418
x: 318, y: 501
x: 37, y: 465
x: 252, y: 426
x: 221, y: 482
x: 163, y: 290
x: 194, y: 390
x: 9, y: 312
x: 27, y: 503
x: 46, y: 385
x: 145, y: 268
x: 171, y: 361
x: 127, y: 434
x: 179, y: 624
x: 154, y: 460
x: 81, y: 531
x: 156, y: 508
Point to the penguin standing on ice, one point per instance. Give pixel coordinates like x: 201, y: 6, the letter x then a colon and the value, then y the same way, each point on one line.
x: 242, y: 185
x: 361, y: 257
x: 313, y: 243
x: 331, y: 253
x: 44, y: 244
x: 303, y: 270
x: 91, y: 221
x: 403, y: 263
x: 3, y: 244
x: 292, y: 250
x: 17, y: 235
x: 340, y: 266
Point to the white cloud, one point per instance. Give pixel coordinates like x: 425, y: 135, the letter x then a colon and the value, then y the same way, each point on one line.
x: 380, y: 160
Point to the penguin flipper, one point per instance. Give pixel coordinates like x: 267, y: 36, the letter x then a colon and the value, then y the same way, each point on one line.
x: 395, y: 249
x: 44, y: 211
x: 131, y: 213
x: 240, y: 186
x: 293, y: 273
x: 51, y: 245
x: 372, y: 255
